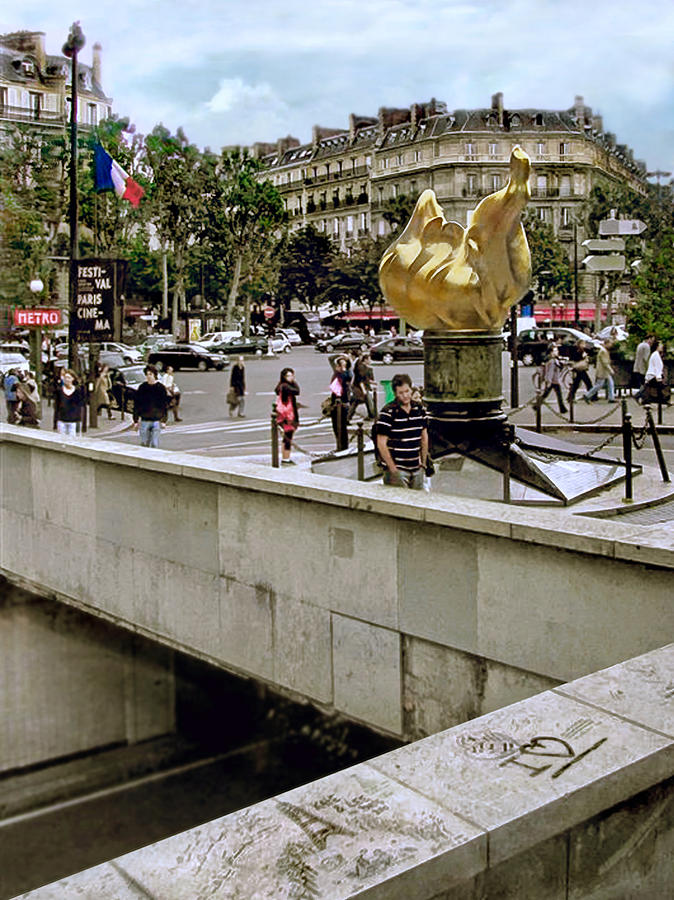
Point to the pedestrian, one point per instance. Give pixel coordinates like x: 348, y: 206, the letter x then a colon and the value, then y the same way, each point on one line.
x: 603, y: 376
x: 551, y: 375
x: 11, y: 400
x: 580, y: 365
x: 287, y: 391
x: 641, y: 358
x: 102, y: 390
x: 29, y: 401
x: 654, y: 379
x: 68, y: 404
x: 236, y: 395
x: 150, y: 407
x: 166, y: 378
x: 402, y: 437
x: 340, y: 391
x: 118, y: 391
x: 361, y: 393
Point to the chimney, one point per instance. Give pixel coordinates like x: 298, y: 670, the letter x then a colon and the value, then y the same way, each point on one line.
x: 497, y: 106
x: 96, y: 63
x: 352, y: 128
x: 610, y: 139
x: 287, y: 143
x: 40, y: 53
x: 579, y: 108
x: 597, y: 124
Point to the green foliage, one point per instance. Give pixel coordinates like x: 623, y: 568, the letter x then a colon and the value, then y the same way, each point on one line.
x: 354, y: 278
x: 397, y: 212
x: 654, y: 309
x: 303, y: 261
x: 549, y: 262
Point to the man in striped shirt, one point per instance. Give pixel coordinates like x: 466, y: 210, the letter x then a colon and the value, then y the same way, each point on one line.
x: 402, y: 437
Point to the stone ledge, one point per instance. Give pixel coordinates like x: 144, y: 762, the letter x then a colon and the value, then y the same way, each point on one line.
x: 421, y: 819
x: 650, y: 545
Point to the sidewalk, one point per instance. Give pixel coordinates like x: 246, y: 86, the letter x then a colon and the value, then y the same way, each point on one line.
x: 598, y: 412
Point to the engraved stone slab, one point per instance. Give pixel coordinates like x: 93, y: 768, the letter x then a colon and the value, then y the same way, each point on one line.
x: 352, y: 832
x: 641, y: 689
x: 533, y: 769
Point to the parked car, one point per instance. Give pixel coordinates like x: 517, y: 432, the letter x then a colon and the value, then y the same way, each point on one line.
x: 348, y: 340
x: 532, y: 343
x: 290, y: 334
x: 240, y: 345
x: 130, y: 355
x: 399, y: 348
x: 133, y: 377
x: 154, y: 342
x: 15, y: 361
x: 216, y: 337
x: 279, y: 343
x: 187, y: 356
x: 21, y: 347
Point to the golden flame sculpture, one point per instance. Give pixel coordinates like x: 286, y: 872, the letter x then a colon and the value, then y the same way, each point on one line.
x: 438, y: 275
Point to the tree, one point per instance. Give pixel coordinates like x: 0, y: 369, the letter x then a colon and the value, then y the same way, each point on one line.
x: 653, y: 312
x: 303, y: 261
x: 549, y: 262
x: 244, y: 217
x: 397, y: 212
x: 176, y: 196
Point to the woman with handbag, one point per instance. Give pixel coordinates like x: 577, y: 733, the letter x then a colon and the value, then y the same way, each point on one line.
x: 580, y: 366
x: 287, y: 417
x: 237, y: 389
x: 653, y: 389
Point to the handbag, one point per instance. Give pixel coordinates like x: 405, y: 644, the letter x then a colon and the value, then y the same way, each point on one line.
x: 232, y: 397
x: 285, y: 414
x: 327, y: 405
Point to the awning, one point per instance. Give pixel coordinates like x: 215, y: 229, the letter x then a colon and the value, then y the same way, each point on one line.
x: 363, y: 315
x: 568, y: 314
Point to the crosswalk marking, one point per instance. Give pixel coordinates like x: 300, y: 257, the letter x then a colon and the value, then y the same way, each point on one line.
x: 235, y: 427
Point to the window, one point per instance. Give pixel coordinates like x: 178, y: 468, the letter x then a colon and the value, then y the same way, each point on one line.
x: 539, y: 119
x: 3, y: 97
x: 384, y: 163
x: 564, y: 149
x: 541, y: 185
x: 368, y: 160
x: 470, y: 149
x: 496, y: 182
x: 321, y: 225
x: 413, y: 188
x: 394, y: 190
x: 349, y: 225
x: 363, y: 221
x: 399, y: 159
x: 335, y: 227
x: 566, y: 216
x: 493, y: 149
x: 471, y: 183
x: 417, y: 156
x: 544, y: 213
x: 565, y: 186
x: 541, y: 148
x: 92, y: 112
x: 36, y: 104
x: 382, y: 228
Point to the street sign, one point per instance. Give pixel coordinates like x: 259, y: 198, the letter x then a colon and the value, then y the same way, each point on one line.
x: 621, y: 226
x: 37, y: 317
x: 608, y: 245
x: 604, y: 263
x: 269, y: 312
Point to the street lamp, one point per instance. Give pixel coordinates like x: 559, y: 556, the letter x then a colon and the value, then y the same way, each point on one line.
x: 71, y: 48
x: 36, y: 286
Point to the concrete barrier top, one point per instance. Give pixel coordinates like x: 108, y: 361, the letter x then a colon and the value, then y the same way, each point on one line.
x: 431, y: 815
x: 649, y: 545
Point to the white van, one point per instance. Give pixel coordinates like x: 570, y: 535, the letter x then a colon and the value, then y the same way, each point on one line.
x: 216, y: 337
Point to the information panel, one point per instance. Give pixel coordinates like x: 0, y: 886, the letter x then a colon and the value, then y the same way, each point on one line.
x: 95, y: 299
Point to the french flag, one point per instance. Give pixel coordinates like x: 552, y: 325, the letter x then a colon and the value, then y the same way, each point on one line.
x: 110, y: 176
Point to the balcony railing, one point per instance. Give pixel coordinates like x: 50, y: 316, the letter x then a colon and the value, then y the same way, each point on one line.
x: 25, y: 114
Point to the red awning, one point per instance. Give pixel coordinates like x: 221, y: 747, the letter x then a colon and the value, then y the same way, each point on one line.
x: 363, y: 315
x: 568, y: 314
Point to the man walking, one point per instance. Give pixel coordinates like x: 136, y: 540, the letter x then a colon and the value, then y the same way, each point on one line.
x: 603, y: 376
x: 402, y: 437
x: 641, y: 357
x: 11, y: 398
x: 236, y: 396
x: 150, y: 407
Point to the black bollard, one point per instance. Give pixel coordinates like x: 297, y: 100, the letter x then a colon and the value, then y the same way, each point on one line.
x: 274, y: 440
x: 627, y: 451
x: 360, y: 442
x: 656, y: 444
x: 539, y: 404
x: 572, y: 400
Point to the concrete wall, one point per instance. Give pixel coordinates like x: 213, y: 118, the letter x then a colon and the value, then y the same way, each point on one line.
x: 343, y: 593
x: 70, y: 683
x: 563, y: 796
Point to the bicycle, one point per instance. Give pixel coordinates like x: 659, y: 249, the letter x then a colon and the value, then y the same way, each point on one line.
x: 565, y: 378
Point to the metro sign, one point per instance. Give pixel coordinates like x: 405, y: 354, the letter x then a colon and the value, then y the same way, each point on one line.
x: 37, y: 317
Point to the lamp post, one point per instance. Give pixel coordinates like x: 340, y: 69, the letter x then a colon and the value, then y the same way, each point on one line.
x: 71, y: 48
x: 36, y: 286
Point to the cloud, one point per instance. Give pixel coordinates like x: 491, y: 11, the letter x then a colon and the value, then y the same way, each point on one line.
x: 235, y: 92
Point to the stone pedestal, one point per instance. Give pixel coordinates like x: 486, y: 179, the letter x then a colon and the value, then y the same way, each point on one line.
x: 463, y: 388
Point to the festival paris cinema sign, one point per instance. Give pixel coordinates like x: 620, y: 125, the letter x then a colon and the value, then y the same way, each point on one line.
x: 94, y: 299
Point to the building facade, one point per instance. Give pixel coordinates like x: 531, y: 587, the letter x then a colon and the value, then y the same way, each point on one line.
x: 343, y: 180
x: 35, y: 86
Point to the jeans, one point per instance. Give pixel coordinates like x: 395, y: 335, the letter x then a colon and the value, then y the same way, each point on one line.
x: 149, y: 433
x: 413, y: 479
x: 598, y: 385
x: 67, y: 429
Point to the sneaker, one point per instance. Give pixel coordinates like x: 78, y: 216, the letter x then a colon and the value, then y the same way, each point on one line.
x: 288, y: 462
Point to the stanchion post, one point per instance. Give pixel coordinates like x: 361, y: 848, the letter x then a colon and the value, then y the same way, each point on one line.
x: 660, y: 407
x: 360, y: 442
x: 627, y: 450
x: 539, y: 404
x: 274, y: 440
x: 508, y: 438
x: 656, y: 444
x: 572, y: 417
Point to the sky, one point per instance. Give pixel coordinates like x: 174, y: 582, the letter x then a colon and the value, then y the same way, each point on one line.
x: 235, y: 72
